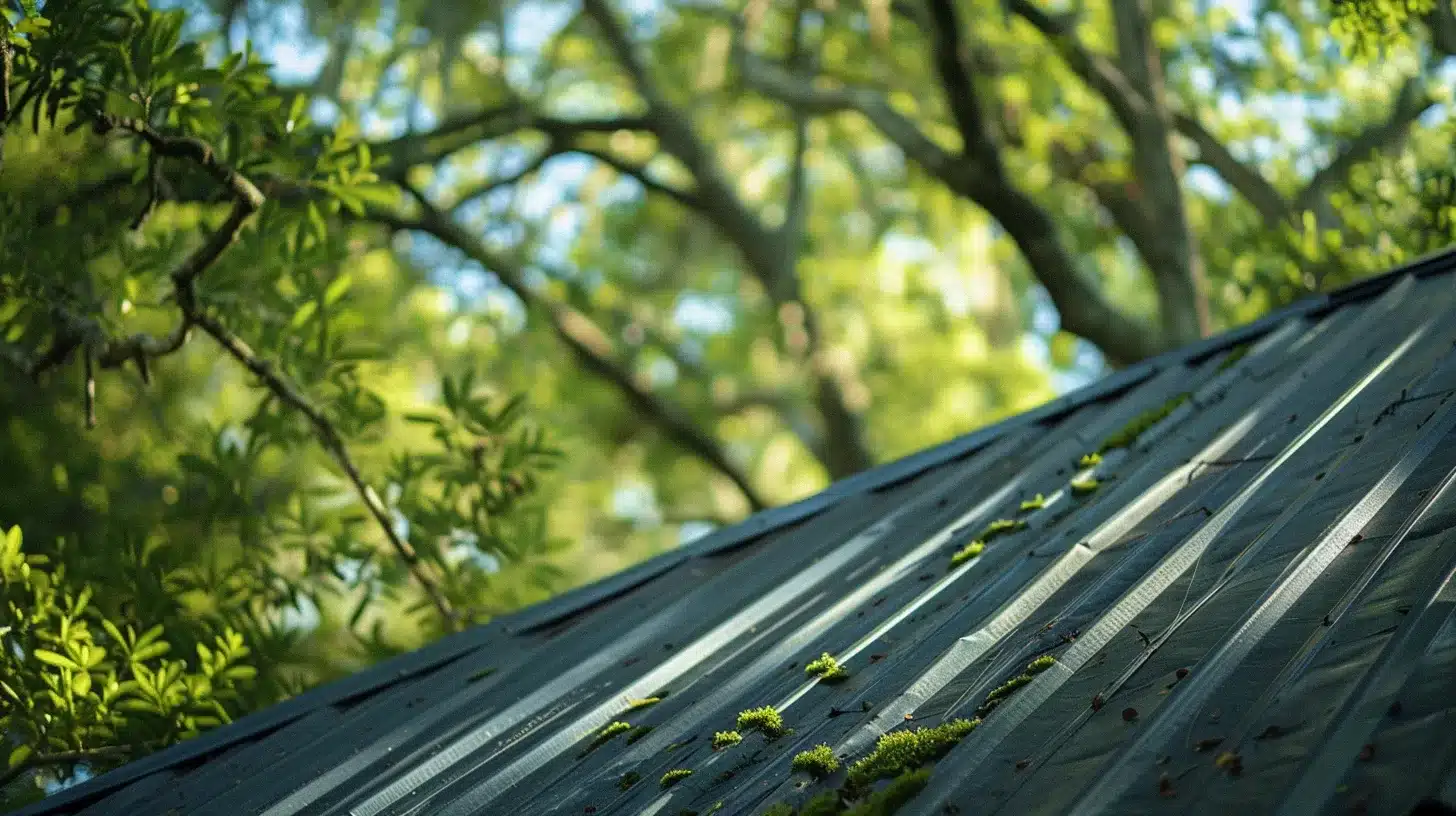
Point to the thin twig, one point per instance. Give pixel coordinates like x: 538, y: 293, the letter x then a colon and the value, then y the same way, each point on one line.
x: 334, y: 444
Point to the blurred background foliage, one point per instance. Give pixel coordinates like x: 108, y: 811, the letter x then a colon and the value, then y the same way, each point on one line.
x: 570, y: 283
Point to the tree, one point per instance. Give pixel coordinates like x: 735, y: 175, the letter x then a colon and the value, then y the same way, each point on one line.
x: 991, y: 103
x: 153, y: 597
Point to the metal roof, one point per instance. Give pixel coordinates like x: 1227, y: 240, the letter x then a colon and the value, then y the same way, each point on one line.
x: 1250, y: 606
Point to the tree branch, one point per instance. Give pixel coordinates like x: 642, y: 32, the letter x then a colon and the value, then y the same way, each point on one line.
x: 1134, y: 93
x: 462, y: 131
x: 638, y: 172
x: 1083, y: 309
x: 75, y: 332
x: 949, y: 55
x: 771, y: 255
x: 587, y: 342
x: 552, y: 150
x: 802, y: 94
x: 1412, y: 101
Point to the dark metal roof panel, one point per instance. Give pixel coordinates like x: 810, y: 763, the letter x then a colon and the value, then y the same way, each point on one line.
x: 1252, y: 610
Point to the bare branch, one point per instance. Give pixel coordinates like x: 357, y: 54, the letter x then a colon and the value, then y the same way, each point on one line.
x: 802, y: 94
x: 1251, y: 185
x: 1412, y: 101
x: 949, y: 55
x: 636, y: 171
x: 1098, y: 71
x: 586, y: 341
x: 771, y: 255
x: 493, y: 123
x: 553, y: 149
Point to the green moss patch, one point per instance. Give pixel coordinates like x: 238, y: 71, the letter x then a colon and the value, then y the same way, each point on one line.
x: 726, y: 739
x: 1034, y: 503
x: 817, y: 762
x: 827, y: 669
x: 1090, y: 460
x: 629, y: 779
x: 893, y: 796
x: 645, y: 702
x: 766, y: 720
x: 1004, y: 691
x: 1000, y: 527
x: 674, y: 776
x: 1233, y: 358
x: 605, y: 735
x: 899, y: 752
x: 1138, y: 425
x: 1085, y: 486
x: 966, y: 553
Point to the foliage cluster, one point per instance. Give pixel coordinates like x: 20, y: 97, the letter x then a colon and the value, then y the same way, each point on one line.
x: 193, y: 559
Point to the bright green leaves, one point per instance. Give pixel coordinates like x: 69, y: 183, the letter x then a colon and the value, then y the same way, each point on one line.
x: 77, y: 682
x: 1368, y: 27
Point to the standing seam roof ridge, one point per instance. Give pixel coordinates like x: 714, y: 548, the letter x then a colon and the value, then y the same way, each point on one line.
x: 746, y: 678
x: 775, y: 600
x: 893, y: 708
x: 1375, y: 578
x: 875, y: 732
x: 807, y: 739
x: 1357, y: 440
x: 1275, y: 602
x: 1127, y: 515
x: 1370, y: 702
x: 985, y: 739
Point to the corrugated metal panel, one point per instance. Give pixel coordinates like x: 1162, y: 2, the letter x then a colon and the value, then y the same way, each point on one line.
x: 1253, y: 610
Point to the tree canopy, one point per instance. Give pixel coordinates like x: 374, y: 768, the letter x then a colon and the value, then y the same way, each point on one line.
x: 333, y: 326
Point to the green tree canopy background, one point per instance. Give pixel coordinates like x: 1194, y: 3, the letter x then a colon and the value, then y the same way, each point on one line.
x: 425, y: 311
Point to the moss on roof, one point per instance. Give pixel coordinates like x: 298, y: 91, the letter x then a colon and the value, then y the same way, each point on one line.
x: 818, y: 761
x: 999, y: 695
x: 966, y: 553
x: 900, y: 751
x: 1138, y: 425
x: 827, y: 669
x: 766, y: 720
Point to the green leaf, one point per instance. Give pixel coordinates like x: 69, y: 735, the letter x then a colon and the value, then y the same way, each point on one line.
x: 20, y: 755
x: 150, y: 651
x: 240, y: 673
x: 337, y: 288
x: 303, y: 314
x: 53, y: 659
